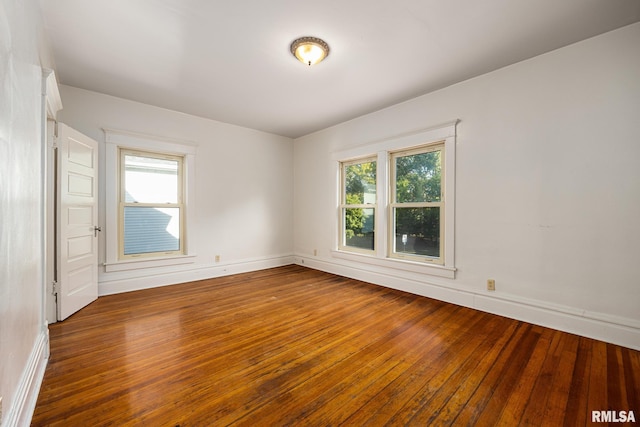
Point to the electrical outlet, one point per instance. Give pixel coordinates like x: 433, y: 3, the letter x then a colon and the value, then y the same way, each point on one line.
x: 315, y: 252
x: 217, y: 258
x: 491, y: 285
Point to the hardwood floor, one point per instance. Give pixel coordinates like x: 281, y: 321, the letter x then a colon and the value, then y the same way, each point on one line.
x: 294, y: 346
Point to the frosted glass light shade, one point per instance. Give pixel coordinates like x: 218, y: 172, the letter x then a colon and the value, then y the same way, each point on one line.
x: 310, y: 50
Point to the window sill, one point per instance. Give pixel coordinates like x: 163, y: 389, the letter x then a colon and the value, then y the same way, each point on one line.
x: 136, y: 264
x: 398, y: 264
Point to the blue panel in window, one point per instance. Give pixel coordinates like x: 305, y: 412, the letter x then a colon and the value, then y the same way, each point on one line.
x: 148, y: 230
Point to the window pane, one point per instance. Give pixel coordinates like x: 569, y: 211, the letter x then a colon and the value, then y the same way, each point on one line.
x: 149, y: 230
x: 359, y: 228
x: 417, y: 231
x: 418, y: 177
x: 360, y: 183
x: 150, y: 180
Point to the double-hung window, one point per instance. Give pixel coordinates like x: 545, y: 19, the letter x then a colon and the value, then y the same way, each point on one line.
x: 151, y: 214
x: 358, y: 205
x: 149, y: 193
x: 417, y: 202
x: 397, y: 202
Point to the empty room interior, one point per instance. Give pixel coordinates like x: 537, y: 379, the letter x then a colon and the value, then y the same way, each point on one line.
x: 319, y: 213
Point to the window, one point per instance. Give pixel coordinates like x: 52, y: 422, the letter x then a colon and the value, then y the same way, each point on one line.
x: 358, y: 205
x: 417, y: 201
x: 149, y: 194
x: 151, y: 213
x: 396, y: 204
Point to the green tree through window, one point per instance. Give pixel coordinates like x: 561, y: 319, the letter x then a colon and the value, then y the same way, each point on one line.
x: 358, y: 204
x: 417, y: 202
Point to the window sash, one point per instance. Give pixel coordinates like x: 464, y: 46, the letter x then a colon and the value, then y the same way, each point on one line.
x: 344, y: 207
x: 393, y: 253
x: 123, y: 205
x: 394, y: 204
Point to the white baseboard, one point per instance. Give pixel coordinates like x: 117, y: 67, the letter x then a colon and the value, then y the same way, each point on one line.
x: 603, y: 327
x: 26, y: 396
x: 127, y: 284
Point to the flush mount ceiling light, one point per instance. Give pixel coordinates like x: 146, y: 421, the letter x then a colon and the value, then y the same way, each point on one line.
x: 309, y: 50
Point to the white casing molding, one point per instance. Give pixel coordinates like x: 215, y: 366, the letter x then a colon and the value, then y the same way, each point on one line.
x: 52, y: 94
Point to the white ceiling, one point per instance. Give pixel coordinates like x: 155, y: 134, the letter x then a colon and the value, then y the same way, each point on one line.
x: 230, y: 60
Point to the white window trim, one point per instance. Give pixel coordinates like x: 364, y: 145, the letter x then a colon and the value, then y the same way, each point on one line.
x: 444, y: 133
x: 114, y: 141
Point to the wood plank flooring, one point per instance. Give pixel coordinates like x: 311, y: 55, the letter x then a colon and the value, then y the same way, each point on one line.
x: 294, y: 346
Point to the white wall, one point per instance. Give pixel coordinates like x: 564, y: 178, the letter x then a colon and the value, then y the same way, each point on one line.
x: 548, y: 188
x: 244, y: 197
x: 23, y: 338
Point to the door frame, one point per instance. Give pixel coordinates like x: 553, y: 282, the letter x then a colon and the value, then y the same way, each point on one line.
x: 51, y: 104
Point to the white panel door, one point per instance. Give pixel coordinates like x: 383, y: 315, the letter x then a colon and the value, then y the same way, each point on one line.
x: 77, y: 221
